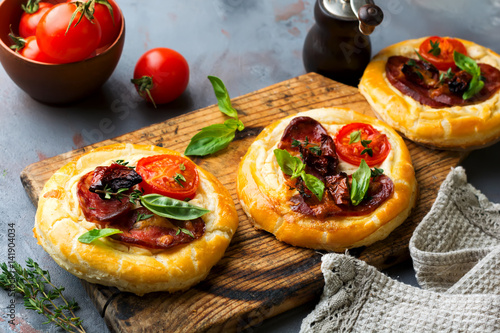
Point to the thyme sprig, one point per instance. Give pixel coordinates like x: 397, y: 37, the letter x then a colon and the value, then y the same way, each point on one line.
x: 40, y: 295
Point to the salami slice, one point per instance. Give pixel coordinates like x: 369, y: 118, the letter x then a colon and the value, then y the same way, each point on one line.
x: 437, y: 95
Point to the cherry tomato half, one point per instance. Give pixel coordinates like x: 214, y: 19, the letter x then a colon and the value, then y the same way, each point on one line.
x: 110, y: 25
x: 169, y: 175
x: 351, y: 152
x: 29, y: 21
x: 80, y: 40
x: 161, y: 75
x: 442, y: 58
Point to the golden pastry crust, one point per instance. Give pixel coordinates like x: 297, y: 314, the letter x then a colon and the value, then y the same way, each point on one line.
x: 458, y: 127
x: 264, y: 195
x: 60, y: 221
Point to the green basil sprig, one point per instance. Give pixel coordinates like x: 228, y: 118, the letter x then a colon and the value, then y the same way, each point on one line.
x: 95, y: 234
x: 294, y: 167
x: 360, y: 183
x: 470, y: 66
x: 218, y: 136
x: 172, y: 208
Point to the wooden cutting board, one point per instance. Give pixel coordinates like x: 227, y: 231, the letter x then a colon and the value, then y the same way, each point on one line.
x: 259, y: 277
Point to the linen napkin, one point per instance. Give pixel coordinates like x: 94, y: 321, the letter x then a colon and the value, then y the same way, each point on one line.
x: 456, y: 255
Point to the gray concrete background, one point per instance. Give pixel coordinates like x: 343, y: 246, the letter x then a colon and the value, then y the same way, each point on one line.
x: 249, y: 44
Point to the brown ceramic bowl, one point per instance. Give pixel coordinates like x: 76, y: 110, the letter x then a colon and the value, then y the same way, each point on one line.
x: 54, y: 83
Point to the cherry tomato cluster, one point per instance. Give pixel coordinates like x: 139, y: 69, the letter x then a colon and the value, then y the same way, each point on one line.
x: 66, y: 32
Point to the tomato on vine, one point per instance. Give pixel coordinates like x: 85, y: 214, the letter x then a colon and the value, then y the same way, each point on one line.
x: 161, y: 75
x: 29, y: 49
x: 68, y: 32
x: 33, y: 11
x: 107, y: 13
x: 439, y: 51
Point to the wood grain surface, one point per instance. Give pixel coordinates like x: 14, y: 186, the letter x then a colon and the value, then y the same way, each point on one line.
x: 259, y: 277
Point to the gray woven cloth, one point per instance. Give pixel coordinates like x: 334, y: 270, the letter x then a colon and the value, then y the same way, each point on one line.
x: 456, y: 255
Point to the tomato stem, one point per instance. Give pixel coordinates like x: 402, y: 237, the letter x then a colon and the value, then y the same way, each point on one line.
x: 86, y: 9
x: 19, y: 42
x: 31, y: 6
x: 144, y: 85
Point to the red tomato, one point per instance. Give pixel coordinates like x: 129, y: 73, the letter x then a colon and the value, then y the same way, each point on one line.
x: 444, y: 59
x: 29, y: 19
x: 169, y: 175
x: 31, y: 51
x: 351, y: 152
x: 161, y: 75
x: 110, y: 25
x: 76, y: 44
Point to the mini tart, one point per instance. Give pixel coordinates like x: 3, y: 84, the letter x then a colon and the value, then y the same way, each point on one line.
x: 60, y: 221
x: 264, y: 194
x: 457, y: 127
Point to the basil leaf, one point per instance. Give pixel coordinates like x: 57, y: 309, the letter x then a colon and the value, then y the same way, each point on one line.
x: 475, y: 86
x: 360, y: 182
x: 210, y: 140
x: 289, y: 164
x: 466, y: 64
x: 316, y: 186
x: 470, y: 66
x: 172, y: 208
x: 235, y: 124
x: 223, y: 97
x: 94, y: 234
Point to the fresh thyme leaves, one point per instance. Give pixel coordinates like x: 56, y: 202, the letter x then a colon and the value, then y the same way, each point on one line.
x: 141, y: 217
x: 184, y: 231
x: 470, y: 66
x: 448, y: 75
x: 367, y: 149
x: 420, y: 56
x: 435, y: 49
x: 312, y: 147
x: 95, y: 234
x: 182, y: 167
x: 218, y: 136
x: 40, y: 295
x: 294, y: 167
x: 124, y: 163
x: 376, y: 172
x: 411, y: 62
x: 179, y: 179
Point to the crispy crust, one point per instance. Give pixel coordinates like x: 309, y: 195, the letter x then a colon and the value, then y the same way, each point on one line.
x: 458, y: 127
x: 264, y: 195
x: 60, y: 221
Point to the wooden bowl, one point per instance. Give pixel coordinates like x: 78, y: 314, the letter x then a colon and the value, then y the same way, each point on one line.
x: 54, y: 83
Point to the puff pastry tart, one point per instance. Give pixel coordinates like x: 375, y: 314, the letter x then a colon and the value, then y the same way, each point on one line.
x: 441, y: 92
x: 328, y: 179
x: 167, y: 220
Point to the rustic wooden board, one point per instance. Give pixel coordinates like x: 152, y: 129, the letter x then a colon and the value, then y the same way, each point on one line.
x: 258, y: 277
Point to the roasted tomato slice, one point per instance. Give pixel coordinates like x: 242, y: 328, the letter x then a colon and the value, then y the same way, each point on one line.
x: 169, y: 175
x: 439, y: 51
x: 351, y: 152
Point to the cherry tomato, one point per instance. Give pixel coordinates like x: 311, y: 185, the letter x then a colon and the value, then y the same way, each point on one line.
x: 110, y: 25
x: 351, y: 152
x: 33, y: 12
x: 31, y: 51
x: 161, y: 75
x: 440, y: 51
x: 169, y: 175
x: 80, y: 40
